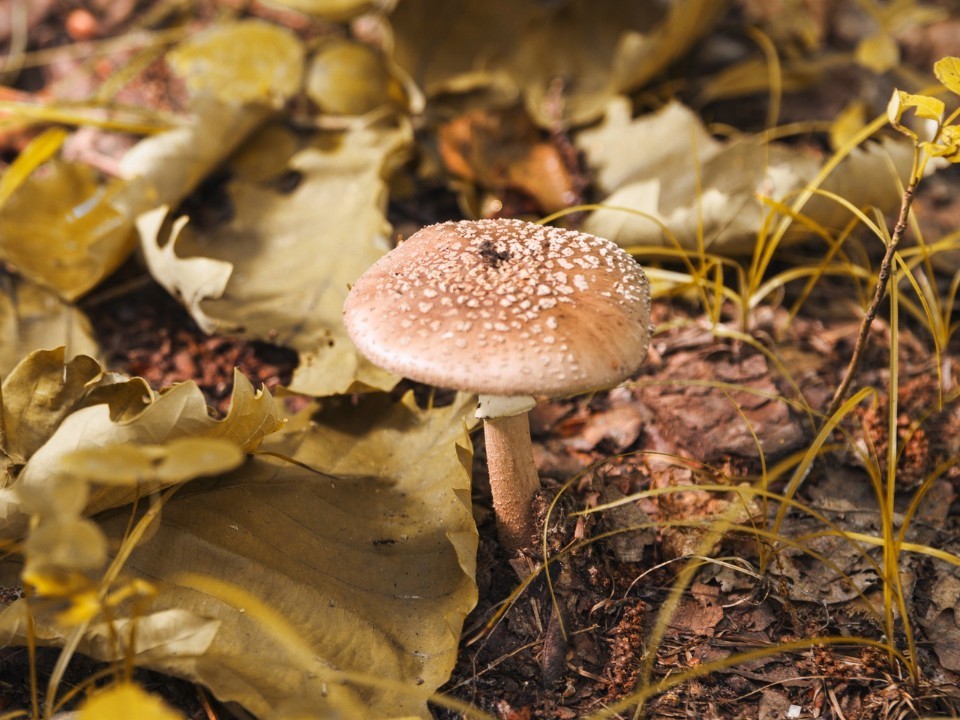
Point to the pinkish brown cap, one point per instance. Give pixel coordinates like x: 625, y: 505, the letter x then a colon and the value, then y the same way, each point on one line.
x: 503, y: 307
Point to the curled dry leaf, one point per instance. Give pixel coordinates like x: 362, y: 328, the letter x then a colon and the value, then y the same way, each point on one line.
x: 38, y: 394
x: 189, y: 279
x: 318, y: 238
x: 179, y: 413
x: 52, y: 409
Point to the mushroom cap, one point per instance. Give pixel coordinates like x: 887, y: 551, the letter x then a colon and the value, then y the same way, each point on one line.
x: 503, y: 307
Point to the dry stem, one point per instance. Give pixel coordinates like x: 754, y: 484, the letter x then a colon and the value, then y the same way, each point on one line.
x: 880, y: 291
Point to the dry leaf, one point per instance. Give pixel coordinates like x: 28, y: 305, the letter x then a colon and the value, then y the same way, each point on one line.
x: 370, y: 556
x: 739, y: 410
x: 331, y: 9
x: 179, y: 413
x: 173, y: 462
x: 244, y: 62
x: 350, y: 78
x: 165, y: 168
x: 239, y: 73
x: 716, y: 190
x: 62, y: 228
x: 291, y: 255
x: 33, y: 317
x: 192, y: 279
x: 941, y: 620
x: 501, y: 150
x: 38, y: 394
x: 525, y: 48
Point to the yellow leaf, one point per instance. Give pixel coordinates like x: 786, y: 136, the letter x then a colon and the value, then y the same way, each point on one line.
x: 947, y: 71
x: 81, y: 608
x: 43, y: 426
x: 64, y: 228
x: 365, y: 543
x: 54, y: 583
x: 337, y: 10
x: 929, y: 108
x: 848, y: 123
x: 33, y: 156
x: 66, y: 544
x: 243, y: 62
x: 124, y: 701
x: 192, y: 457
x: 950, y: 136
x: 878, y: 53
x: 114, y: 464
x: 895, y: 108
x: 179, y: 460
x: 924, y: 106
x: 350, y: 78
x: 947, y: 147
x: 136, y: 588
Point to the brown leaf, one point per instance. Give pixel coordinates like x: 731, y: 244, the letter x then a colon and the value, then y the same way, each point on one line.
x: 699, y: 615
x: 616, y: 427
x: 500, y: 150
x: 942, y: 622
x: 629, y: 544
x: 711, y: 402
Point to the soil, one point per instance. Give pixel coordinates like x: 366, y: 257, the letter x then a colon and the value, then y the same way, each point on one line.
x: 593, y: 631
x: 612, y: 579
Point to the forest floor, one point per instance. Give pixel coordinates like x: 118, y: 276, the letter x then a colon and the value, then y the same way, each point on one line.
x: 703, y: 410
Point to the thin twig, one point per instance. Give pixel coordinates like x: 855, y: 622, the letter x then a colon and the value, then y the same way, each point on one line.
x: 879, y: 292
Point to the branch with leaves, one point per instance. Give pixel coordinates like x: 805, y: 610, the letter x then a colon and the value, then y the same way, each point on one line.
x: 944, y: 143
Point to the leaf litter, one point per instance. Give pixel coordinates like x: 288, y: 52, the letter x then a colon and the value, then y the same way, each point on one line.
x: 256, y: 205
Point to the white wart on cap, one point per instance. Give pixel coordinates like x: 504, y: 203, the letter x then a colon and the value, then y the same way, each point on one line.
x: 503, y: 307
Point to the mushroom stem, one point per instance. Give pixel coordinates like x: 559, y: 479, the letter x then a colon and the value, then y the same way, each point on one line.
x: 513, y: 479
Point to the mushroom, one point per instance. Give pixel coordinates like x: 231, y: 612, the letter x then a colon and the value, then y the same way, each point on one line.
x: 511, y: 311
